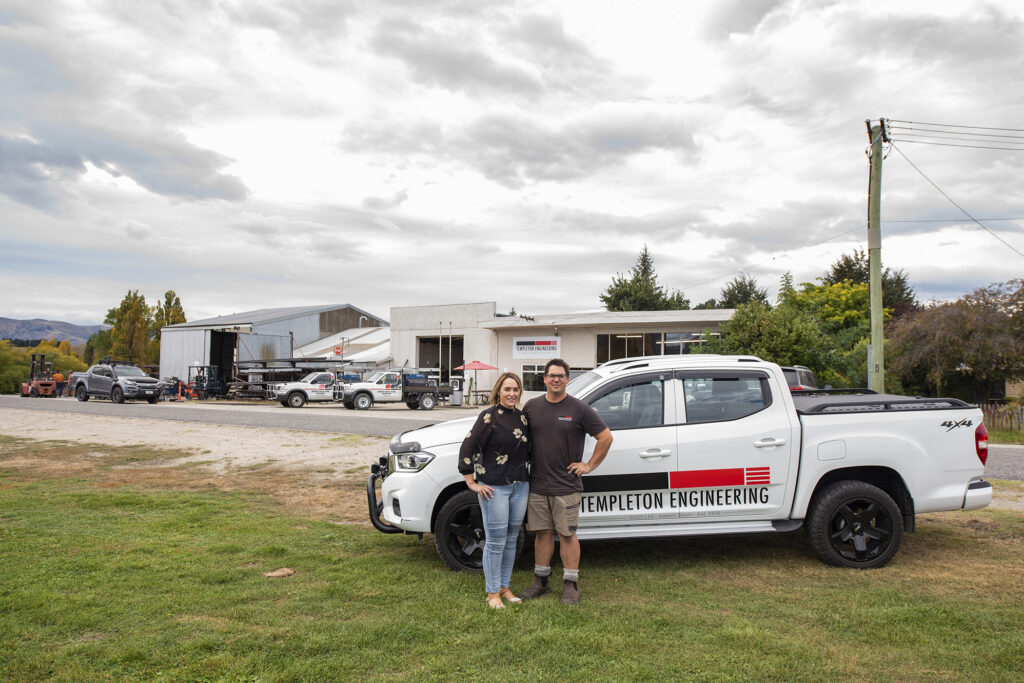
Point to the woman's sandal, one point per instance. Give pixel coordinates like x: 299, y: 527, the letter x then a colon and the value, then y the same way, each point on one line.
x: 509, y: 595
x: 495, y: 602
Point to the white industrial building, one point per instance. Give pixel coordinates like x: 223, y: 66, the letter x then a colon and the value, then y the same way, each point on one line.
x: 265, y: 334
x: 448, y: 336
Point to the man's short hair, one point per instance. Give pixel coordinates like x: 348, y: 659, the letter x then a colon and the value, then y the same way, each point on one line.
x: 559, y: 362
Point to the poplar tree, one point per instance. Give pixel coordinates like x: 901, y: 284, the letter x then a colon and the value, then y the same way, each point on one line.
x: 130, y: 323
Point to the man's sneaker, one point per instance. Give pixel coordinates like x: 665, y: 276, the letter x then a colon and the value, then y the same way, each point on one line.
x: 539, y: 587
x: 570, y: 593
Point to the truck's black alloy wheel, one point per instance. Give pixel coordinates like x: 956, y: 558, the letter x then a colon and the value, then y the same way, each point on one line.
x: 117, y: 395
x: 81, y: 394
x: 459, y: 533
x: 855, y: 524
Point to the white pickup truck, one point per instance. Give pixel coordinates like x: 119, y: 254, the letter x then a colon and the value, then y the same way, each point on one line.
x: 316, y: 386
x: 709, y: 444
x: 412, y: 388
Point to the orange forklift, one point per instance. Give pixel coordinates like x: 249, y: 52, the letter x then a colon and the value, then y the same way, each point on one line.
x: 40, y: 378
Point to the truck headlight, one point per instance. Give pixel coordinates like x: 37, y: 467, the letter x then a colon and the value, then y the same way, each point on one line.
x: 410, y: 462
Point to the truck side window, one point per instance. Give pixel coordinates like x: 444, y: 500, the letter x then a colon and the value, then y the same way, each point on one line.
x: 632, y: 406
x: 714, y: 399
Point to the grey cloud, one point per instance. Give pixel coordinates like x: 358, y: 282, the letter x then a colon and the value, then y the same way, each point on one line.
x: 512, y: 149
x: 30, y: 172
x: 738, y: 16
x: 384, y: 203
x: 451, y: 61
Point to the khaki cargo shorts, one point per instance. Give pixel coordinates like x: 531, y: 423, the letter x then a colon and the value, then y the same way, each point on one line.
x: 561, y: 513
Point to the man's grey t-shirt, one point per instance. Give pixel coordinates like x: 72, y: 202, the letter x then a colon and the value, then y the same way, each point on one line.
x: 558, y: 432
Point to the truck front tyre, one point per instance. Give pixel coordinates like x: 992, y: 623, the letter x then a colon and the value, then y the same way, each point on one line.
x: 459, y: 533
x: 117, y: 395
x: 427, y: 401
x: 81, y: 394
x: 412, y: 405
x: 296, y: 399
x: 153, y: 399
x: 363, y: 401
x: 855, y: 524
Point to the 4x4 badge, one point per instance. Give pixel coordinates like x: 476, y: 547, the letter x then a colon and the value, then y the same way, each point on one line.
x: 953, y: 424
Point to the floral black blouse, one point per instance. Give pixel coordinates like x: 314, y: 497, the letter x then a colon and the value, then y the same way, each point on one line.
x: 497, y: 448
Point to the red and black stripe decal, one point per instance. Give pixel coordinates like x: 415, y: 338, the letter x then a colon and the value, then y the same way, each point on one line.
x: 684, y: 479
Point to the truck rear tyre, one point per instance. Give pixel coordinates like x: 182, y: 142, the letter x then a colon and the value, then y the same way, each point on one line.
x: 427, y: 401
x: 412, y: 405
x: 81, y: 394
x: 855, y: 524
x: 363, y: 401
x: 296, y: 399
x: 117, y: 395
x: 459, y: 533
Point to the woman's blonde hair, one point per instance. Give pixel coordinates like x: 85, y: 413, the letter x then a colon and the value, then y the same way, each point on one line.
x: 496, y: 390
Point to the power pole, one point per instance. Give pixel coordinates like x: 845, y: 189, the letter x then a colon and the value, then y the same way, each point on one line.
x: 877, y: 134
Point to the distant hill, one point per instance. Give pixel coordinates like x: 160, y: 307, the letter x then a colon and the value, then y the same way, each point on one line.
x: 47, y: 329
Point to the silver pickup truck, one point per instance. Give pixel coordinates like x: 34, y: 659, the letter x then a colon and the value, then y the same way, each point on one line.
x: 118, y: 381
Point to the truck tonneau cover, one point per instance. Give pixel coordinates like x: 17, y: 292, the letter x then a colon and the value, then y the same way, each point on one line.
x: 816, y: 403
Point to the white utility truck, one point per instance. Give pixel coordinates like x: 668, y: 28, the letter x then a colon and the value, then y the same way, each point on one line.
x: 316, y: 386
x: 707, y: 444
x: 410, y: 387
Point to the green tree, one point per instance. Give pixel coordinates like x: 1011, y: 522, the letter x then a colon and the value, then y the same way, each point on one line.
x: 742, y: 289
x: 640, y: 291
x: 131, y: 324
x: 897, y: 294
x: 966, y: 347
x: 166, y: 312
x: 96, y: 347
x: 785, y: 335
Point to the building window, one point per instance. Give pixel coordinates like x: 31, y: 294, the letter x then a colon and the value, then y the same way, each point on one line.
x: 533, y: 378
x: 633, y: 344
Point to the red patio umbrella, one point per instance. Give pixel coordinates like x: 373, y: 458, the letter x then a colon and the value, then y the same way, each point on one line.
x: 474, y: 366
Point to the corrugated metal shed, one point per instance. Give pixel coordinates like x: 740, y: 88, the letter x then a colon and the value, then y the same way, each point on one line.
x: 254, y: 335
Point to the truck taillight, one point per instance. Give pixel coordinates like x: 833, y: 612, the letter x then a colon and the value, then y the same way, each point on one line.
x: 981, y: 442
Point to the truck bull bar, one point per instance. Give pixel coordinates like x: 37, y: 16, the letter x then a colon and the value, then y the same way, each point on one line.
x: 376, y: 506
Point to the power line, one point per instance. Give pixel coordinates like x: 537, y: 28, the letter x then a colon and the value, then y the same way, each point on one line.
x: 952, y: 125
x: 946, y: 144
x: 947, y: 220
x: 953, y: 132
x: 951, y: 201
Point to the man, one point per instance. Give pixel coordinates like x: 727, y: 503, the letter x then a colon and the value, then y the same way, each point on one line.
x: 559, y: 425
x: 59, y: 379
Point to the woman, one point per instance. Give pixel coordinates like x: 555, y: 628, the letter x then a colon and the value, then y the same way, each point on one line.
x: 495, y: 459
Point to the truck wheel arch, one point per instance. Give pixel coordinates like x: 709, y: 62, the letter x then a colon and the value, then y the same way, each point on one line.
x: 884, y: 478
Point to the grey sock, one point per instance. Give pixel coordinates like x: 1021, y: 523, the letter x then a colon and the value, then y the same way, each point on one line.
x: 571, y: 575
x: 541, y: 571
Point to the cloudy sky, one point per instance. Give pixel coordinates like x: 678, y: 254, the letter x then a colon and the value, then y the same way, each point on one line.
x: 253, y: 154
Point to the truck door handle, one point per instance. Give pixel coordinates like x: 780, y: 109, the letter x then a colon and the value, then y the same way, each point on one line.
x: 654, y: 453
x: 769, y: 443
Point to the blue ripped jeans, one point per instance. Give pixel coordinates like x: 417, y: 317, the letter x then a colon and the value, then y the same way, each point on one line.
x: 503, y: 515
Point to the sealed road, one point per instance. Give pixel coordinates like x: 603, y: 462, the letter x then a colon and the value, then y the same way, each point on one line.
x: 386, y: 420
x: 1004, y: 462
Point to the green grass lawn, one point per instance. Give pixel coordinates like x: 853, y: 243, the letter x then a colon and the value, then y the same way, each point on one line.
x: 1005, y: 436
x: 115, y: 583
